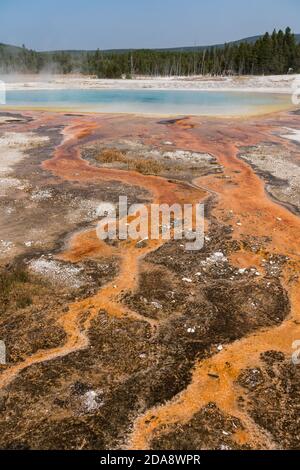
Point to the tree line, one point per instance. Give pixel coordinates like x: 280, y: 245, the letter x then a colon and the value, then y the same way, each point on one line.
x: 276, y: 53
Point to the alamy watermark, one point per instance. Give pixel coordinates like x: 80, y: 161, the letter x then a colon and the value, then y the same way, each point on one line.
x: 152, y: 222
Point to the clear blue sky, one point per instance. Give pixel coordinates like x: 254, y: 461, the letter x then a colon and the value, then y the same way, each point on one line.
x: 105, y: 24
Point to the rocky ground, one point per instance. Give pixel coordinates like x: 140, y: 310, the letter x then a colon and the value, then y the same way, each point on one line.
x: 280, y: 169
x: 267, y: 84
x: 128, y: 345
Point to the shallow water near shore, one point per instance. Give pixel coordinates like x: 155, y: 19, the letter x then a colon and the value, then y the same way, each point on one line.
x: 209, y: 103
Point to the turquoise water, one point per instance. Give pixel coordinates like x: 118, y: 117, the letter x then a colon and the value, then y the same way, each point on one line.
x: 149, y: 101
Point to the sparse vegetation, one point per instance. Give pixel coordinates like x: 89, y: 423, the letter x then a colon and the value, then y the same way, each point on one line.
x: 111, y: 155
x: 146, y: 166
x: 13, y: 288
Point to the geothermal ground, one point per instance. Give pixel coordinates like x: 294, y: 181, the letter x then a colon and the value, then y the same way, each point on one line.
x: 146, y: 345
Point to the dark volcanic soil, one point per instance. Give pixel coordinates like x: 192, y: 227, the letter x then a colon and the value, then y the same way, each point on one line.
x: 125, y: 345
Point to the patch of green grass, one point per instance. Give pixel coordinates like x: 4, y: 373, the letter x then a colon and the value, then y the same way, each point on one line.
x: 24, y: 301
x: 8, y: 279
x: 13, y: 288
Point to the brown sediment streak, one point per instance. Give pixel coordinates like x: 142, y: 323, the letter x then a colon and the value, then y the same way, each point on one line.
x: 224, y: 391
x: 77, y: 321
x: 68, y: 165
x: 239, y: 190
x: 258, y: 216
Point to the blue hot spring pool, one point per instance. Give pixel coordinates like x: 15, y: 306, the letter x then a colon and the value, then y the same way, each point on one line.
x: 214, y: 103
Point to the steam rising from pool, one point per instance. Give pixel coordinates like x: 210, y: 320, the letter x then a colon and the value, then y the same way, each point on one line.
x: 229, y: 103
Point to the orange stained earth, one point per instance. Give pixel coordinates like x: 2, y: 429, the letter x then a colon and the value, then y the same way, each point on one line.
x: 240, y: 194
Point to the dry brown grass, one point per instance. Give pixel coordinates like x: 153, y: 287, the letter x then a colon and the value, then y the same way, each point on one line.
x: 111, y: 156
x: 146, y: 166
x: 14, y: 288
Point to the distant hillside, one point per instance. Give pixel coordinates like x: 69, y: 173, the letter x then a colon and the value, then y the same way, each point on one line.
x: 270, y: 54
x: 250, y: 40
x: 14, y: 50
